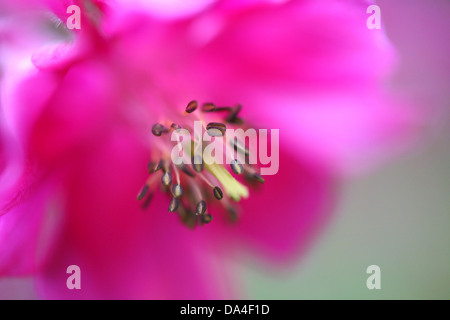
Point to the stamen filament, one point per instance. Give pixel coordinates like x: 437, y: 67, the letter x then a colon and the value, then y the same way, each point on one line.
x: 177, y: 175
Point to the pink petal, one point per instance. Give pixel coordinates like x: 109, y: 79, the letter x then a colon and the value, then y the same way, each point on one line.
x: 315, y: 75
x: 168, y: 9
x: 348, y: 132
x: 27, y: 232
x: 306, y: 43
x: 67, y: 108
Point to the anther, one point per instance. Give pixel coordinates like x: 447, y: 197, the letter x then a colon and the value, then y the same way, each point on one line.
x: 232, y: 116
x: 175, y: 126
x: 258, y: 178
x: 158, y: 129
x: 177, y: 190
x: 198, y: 163
x: 207, y: 218
x: 200, y: 208
x: 208, y: 107
x: 191, y: 106
x: 218, y: 193
x: 155, y: 166
x: 147, y: 201
x: 166, y: 178
x: 240, y: 148
x: 142, y: 193
x: 236, y: 166
x: 223, y: 109
x: 186, y: 170
x: 173, y: 206
x: 216, y: 129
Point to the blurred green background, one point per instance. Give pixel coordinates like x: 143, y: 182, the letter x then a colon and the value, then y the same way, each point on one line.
x: 397, y: 218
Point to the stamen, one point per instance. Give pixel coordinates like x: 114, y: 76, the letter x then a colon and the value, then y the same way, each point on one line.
x: 186, y: 170
x: 153, y: 167
x: 177, y: 175
x: 191, y: 106
x: 207, y: 218
x: 232, y: 116
x: 223, y: 109
x: 158, y: 129
x: 166, y: 178
x: 233, y: 188
x: 236, y: 166
x: 143, y: 192
x: 216, y: 129
x: 258, y: 178
x: 197, y: 163
x: 218, y: 193
x: 177, y: 190
x: 200, y: 208
x: 239, y: 147
x: 147, y: 201
x: 175, y: 126
x: 208, y: 107
x: 216, y: 190
x: 173, y: 206
x: 252, y: 174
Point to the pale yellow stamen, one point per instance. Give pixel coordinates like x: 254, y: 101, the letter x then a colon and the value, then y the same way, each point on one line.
x: 233, y: 188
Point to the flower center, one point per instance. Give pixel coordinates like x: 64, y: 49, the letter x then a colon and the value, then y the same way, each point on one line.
x: 202, y: 161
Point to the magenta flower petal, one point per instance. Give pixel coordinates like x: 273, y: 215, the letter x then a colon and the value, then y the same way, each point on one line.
x: 28, y: 232
x: 323, y: 93
x: 83, y: 120
x: 2, y: 156
x: 68, y: 109
x: 346, y: 132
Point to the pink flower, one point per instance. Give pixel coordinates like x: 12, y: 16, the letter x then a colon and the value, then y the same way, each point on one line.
x: 82, y: 121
